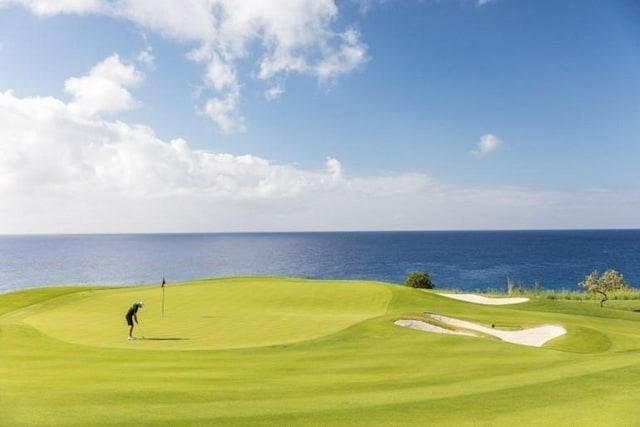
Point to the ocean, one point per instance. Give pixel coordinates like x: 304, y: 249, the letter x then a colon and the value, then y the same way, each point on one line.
x: 465, y: 260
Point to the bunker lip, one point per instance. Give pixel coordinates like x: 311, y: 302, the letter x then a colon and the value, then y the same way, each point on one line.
x: 534, y: 337
x: 479, y: 299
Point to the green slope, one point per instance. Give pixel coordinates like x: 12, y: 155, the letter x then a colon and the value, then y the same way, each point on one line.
x: 271, y: 351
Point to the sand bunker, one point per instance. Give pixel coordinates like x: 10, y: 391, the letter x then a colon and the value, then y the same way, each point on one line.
x: 428, y: 327
x: 478, y: 299
x: 534, y: 337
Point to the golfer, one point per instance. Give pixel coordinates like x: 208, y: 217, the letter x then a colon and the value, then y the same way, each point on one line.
x: 132, y: 315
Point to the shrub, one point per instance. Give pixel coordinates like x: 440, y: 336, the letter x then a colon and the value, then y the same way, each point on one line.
x: 609, y: 281
x: 420, y: 280
x: 514, y: 288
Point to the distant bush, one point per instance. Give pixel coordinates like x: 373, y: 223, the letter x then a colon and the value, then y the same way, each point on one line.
x: 563, y: 294
x: 515, y: 288
x: 625, y: 294
x: 419, y: 280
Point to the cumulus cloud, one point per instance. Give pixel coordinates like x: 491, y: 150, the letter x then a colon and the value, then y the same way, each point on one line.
x: 281, y: 36
x: 54, y: 7
x: 63, y: 171
x: 294, y: 37
x: 104, y: 89
x: 488, y: 143
x: 223, y: 111
x: 50, y: 147
x: 69, y: 166
x: 334, y: 167
x: 350, y: 54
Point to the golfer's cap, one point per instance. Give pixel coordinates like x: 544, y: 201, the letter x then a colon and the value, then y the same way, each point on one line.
x: 141, y: 304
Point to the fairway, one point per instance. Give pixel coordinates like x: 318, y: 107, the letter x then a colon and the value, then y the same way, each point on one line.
x: 280, y: 351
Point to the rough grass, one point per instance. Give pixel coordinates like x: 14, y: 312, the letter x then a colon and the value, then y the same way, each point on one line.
x: 270, y: 351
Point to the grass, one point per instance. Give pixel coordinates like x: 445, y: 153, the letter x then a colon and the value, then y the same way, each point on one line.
x: 537, y: 291
x: 273, y: 352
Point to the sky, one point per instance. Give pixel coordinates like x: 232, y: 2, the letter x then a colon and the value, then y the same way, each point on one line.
x: 138, y: 116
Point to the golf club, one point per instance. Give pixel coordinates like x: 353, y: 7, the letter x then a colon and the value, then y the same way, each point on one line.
x: 141, y: 331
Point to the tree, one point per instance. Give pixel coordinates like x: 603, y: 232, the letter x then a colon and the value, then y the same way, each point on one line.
x: 609, y: 281
x: 420, y: 280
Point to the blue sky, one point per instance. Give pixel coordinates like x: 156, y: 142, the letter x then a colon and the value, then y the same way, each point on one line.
x: 147, y: 116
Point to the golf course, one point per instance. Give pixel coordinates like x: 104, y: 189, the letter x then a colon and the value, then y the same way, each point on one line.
x: 269, y: 351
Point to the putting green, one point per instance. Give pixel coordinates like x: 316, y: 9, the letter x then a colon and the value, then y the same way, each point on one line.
x: 221, y: 314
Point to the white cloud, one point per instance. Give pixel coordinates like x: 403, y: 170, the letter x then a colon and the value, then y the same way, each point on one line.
x: 334, y: 167
x: 104, y: 89
x: 220, y: 74
x: 352, y: 53
x: 146, y: 57
x: 281, y: 36
x: 54, y: 7
x: 183, y: 20
x: 64, y: 172
x: 365, y: 5
x: 488, y: 143
x: 295, y: 36
x: 61, y: 171
x: 274, y: 92
x: 222, y: 110
x: 68, y: 167
x: 51, y: 149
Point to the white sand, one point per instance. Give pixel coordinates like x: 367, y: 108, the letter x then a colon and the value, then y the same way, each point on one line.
x: 478, y: 299
x: 535, y: 337
x: 428, y: 327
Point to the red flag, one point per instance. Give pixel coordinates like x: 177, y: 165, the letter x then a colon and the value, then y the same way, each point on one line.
x: 162, y: 283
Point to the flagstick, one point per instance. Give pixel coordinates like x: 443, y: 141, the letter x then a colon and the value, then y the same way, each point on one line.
x: 163, y: 282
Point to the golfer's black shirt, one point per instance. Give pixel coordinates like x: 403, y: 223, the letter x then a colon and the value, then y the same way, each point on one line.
x: 133, y: 310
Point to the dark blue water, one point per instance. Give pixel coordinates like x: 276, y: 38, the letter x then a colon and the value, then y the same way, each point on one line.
x: 465, y: 260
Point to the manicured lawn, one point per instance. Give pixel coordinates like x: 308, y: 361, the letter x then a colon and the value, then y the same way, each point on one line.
x: 274, y: 351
